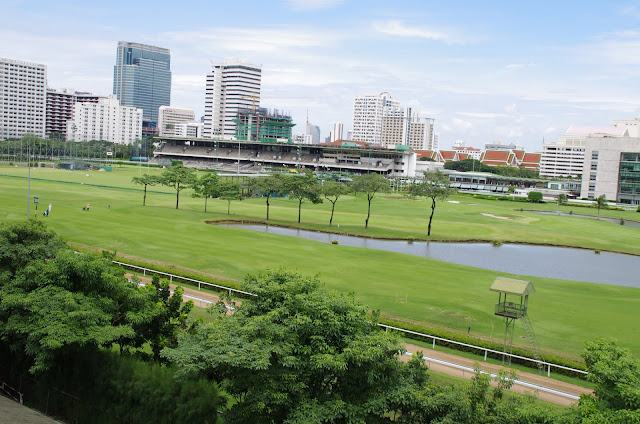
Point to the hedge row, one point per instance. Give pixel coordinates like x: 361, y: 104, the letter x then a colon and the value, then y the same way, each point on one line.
x: 553, y: 359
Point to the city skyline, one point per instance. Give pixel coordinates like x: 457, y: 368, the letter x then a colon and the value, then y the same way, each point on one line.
x: 500, y: 70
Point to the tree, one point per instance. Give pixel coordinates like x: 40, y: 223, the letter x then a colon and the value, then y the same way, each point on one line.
x: 534, y: 197
x: 178, y: 177
x: 268, y: 186
x: 299, y: 353
x: 52, y: 308
x: 370, y: 184
x: 601, y: 202
x: 145, y: 180
x: 168, y: 315
x: 207, y: 186
x: 303, y: 187
x: 562, y: 199
x: 435, y: 186
x: 332, y: 190
x: 230, y: 190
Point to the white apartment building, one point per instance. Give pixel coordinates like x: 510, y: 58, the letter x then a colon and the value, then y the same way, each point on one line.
x: 230, y: 86
x: 60, y: 109
x: 565, y: 158
x: 23, y: 98
x: 612, y: 168
x: 403, y: 127
x: 169, y: 117
x: 105, y: 120
x: 368, y: 113
x: 188, y: 129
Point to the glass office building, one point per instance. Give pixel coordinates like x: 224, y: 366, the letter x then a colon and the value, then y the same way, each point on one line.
x: 142, y: 78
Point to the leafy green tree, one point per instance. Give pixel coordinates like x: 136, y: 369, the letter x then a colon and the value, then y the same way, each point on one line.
x: 178, y: 177
x: 615, y: 372
x: 369, y: 184
x: 22, y: 242
x: 168, y: 315
x: 230, y: 190
x: 207, y: 186
x: 534, y: 197
x: 601, y: 202
x: 145, y: 180
x: 67, y: 303
x: 332, y: 190
x: 303, y: 187
x: 435, y: 186
x: 298, y: 354
x: 268, y: 186
x: 562, y: 199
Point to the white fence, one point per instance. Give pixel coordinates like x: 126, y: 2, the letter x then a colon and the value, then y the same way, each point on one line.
x: 178, y: 277
x: 482, y: 349
x: 386, y: 327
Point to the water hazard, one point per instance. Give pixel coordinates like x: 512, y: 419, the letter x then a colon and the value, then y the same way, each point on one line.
x: 539, y: 261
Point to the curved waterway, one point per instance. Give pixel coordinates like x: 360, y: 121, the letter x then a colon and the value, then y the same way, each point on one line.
x: 539, y: 261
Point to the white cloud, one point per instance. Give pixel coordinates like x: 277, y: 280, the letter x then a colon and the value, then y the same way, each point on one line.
x: 513, y: 66
x: 313, y: 4
x: 401, y: 29
x: 482, y: 115
x: 512, y: 108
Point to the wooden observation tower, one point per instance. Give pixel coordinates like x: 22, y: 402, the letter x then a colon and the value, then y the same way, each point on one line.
x: 513, y: 301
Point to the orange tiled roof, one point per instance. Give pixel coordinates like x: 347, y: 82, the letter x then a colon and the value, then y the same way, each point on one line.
x: 501, y: 155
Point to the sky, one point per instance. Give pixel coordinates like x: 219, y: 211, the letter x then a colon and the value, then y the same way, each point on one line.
x: 519, y: 72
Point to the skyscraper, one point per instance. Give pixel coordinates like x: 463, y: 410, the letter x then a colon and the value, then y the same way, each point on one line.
x: 142, y: 78
x: 231, y: 86
x: 368, y: 112
x: 23, y: 98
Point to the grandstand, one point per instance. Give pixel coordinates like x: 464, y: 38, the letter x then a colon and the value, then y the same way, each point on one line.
x: 258, y: 156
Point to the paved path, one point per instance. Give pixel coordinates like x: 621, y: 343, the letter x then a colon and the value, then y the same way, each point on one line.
x: 11, y: 412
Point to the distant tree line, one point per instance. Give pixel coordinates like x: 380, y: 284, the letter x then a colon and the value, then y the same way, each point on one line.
x: 468, y: 165
x: 40, y: 149
x: 298, y: 353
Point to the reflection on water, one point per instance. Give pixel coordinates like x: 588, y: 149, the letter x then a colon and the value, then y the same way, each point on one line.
x: 627, y: 223
x: 539, y: 261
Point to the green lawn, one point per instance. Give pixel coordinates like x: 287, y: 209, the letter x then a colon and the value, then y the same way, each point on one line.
x: 563, y: 313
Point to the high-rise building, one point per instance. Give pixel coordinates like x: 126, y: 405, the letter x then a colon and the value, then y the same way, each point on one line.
x: 368, y: 113
x: 169, y: 117
x: 314, y: 132
x: 106, y: 120
x: 23, y: 98
x: 142, y: 78
x: 336, y: 134
x: 231, y: 86
x: 61, y: 107
x: 263, y: 125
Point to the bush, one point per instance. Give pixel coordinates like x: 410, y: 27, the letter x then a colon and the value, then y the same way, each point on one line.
x: 534, y: 197
x: 334, y: 241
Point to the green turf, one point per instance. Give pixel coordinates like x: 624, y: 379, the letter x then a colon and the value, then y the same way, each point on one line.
x: 563, y: 313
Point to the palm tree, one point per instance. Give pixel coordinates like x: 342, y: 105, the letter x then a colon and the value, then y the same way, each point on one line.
x: 601, y: 202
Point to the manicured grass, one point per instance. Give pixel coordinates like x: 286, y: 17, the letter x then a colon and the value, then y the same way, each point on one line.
x: 563, y: 313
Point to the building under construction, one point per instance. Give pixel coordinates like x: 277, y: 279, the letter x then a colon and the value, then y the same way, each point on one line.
x: 264, y: 125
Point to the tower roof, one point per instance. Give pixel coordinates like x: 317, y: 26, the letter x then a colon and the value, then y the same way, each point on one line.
x: 512, y: 286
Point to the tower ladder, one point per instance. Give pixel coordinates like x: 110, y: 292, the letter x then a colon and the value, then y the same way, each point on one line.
x: 531, y: 337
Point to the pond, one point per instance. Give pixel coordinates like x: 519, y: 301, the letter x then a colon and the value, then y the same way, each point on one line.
x: 539, y: 261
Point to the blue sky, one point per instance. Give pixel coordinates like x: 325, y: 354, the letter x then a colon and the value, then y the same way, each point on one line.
x: 516, y: 71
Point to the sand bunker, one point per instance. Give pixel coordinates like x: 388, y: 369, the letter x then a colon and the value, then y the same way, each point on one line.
x: 490, y: 215
x: 452, y: 201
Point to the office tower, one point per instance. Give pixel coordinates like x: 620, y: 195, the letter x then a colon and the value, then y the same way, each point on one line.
x: 142, y: 78
x: 169, y: 117
x: 231, y: 86
x: 336, y: 134
x: 23, y: 96
x: 106, y: 120
x: 314, y: 132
